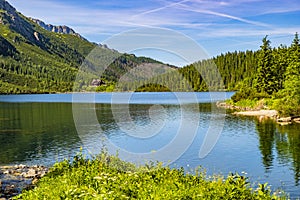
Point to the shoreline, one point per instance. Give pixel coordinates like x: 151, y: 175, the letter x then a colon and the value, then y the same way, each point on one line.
x: 258, y: 113
x: 109, y: 177
x: 15, y: 179
x: 261, y: 114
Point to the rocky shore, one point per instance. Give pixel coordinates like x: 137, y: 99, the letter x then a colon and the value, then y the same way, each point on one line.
x: 14, y: 179
x: 233, y: 107
x: 261, y: 113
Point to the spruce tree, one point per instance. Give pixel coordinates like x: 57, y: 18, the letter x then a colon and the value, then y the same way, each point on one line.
x: 295, y: 45
x: 281, y: 61
x: 265, y: 81
x: 292, y: 80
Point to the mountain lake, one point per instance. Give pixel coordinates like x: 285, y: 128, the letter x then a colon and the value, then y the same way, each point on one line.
x: 180, y: 129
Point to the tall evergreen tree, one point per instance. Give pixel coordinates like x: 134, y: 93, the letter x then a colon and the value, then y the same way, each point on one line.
x: 280, y: 63
x: 295, y: 45
x: 265, y: 81
x: 292, y: 80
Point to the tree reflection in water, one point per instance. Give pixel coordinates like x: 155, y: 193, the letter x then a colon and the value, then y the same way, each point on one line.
x: 281, y: 140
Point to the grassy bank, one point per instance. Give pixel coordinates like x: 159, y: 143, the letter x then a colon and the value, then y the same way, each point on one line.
x: 107, y: 177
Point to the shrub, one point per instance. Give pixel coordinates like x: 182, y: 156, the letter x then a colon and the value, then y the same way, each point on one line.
x: 249, y: 94
x: 287, y: 106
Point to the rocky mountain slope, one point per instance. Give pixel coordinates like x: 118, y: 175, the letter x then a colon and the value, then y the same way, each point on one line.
x: 40, y: 58
x: 56, y: 29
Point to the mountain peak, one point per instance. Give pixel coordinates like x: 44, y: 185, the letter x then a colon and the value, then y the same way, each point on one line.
x: 56, y: 29
x: 10, y: 16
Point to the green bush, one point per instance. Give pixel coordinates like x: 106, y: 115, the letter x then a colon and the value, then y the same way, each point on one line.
x: 287, y: 106
x: 108, y: 177
x: 249, y: 94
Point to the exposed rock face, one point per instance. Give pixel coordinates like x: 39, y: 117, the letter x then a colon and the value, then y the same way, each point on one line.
x: 26, y: 26
x: 104, y: 46
x: 56, y: 29
x: 36, y: 35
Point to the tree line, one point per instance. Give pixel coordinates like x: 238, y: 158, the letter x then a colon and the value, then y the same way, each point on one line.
x: 276, y: 78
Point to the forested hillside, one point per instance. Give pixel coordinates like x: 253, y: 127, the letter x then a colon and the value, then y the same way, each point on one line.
x: 236, y: 69
x: 35, y: 60
x: 270, y: 72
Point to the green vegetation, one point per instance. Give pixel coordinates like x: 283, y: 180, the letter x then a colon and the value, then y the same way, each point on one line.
x: 34, y: 60
x: 107, y: 177
x: 266, y: 80
x: 203, y: 75
x: 236, y: 68
x: 153, y: 88
x: 277, y: 79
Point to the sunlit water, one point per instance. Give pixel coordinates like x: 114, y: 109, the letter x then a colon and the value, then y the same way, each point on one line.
x: 40, y: 129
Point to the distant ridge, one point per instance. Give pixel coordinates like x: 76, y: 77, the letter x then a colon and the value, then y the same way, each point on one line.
x: 56, y: 29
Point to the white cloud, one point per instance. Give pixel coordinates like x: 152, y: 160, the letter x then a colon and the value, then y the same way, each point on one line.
x: 199, y: 19
x: 235, y: 32
x: 223, y: 15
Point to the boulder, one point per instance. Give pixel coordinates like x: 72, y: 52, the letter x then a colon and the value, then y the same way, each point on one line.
x: 297, y: 120
x: 34, y: 181
x: 22, y: 166
x: 284, y: 123
x: 284, y: 119
x: 31, y: 173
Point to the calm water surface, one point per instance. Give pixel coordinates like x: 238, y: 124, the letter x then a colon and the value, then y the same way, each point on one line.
x: 40, y: 129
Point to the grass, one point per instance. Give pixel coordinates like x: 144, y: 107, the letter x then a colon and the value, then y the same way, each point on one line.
x: 108, y: 177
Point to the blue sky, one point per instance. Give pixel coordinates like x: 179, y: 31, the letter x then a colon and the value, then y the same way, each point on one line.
x: 218, y: 26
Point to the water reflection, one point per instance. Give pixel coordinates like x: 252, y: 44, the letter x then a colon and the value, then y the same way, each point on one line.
x: 288, y: 147
x: 42, y: 133
x: 267, y: 131
x: 37, y: 132
x: 282, y: 142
